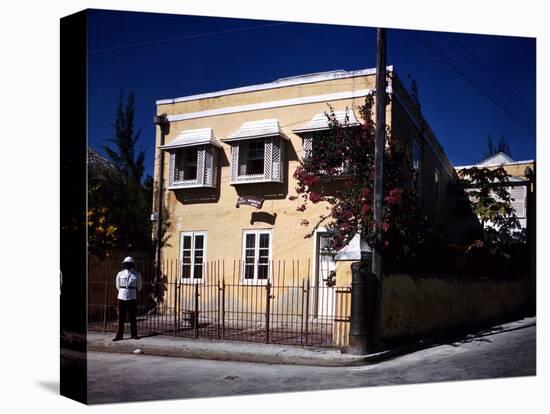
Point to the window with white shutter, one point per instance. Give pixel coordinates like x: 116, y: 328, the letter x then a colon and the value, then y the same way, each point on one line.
x: 257, y: 153
x: 193, y: 159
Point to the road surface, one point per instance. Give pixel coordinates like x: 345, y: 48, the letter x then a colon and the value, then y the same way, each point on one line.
x: 508, y: 351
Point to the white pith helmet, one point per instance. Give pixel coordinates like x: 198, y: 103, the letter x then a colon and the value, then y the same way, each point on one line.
x: 128, y: 259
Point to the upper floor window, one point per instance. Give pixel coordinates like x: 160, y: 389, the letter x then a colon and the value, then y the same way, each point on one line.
x: 193, y: 159
x: 318, y: 126
x: 186, y: 164
x: 252, y: 157
x: 257, y: 152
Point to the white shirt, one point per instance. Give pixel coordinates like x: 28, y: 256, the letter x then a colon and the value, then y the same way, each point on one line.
x: 128, y: 283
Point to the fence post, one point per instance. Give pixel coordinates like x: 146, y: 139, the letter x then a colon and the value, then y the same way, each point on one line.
x: 267, y: 309
x: 302, y: 315
x: 105, y: 300
x: 223, y: 307
x: 307, y: 310
x: 218, y: 327
x: 175, y: 283
x: 196, y: 313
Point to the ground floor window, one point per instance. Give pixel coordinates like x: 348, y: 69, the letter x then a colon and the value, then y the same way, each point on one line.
x: 256, y: 255
x: 193, y: 254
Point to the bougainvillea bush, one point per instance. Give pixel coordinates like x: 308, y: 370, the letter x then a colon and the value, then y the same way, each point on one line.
x: 339, y: 171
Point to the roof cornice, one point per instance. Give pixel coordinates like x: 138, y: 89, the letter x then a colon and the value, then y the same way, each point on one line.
x: 280, y: 83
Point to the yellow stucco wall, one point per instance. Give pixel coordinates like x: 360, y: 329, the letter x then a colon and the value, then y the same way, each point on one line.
x: 414, y: 306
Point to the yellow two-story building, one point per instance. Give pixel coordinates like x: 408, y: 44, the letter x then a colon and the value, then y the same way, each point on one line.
x: 229, y: 158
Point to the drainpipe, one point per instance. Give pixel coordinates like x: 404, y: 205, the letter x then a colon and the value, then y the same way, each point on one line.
x: 162, y: 121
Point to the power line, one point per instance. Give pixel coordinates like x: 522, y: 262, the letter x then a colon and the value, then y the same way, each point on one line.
x: 479, y: 87
x: 185, y: 37
x: 494, y: 76
x: 500, y: 86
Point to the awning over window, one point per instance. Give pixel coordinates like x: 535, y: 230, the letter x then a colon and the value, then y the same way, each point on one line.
x: 192, y: 137
x: 320, y: 122
x: 257, y: 129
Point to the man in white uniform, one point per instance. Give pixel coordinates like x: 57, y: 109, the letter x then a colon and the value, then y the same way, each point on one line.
x: 128, y: 283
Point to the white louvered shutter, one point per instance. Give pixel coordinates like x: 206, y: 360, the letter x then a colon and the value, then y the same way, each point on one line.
x: 518, y: 195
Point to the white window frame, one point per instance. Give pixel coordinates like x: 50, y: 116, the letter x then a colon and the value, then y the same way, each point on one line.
x: 193, y: 279
x: 182, y: 155
x: 206, y: 169
x: 274, y: 161
x: 417, y: 151
x: 307, y: 151
x: 257, y: 233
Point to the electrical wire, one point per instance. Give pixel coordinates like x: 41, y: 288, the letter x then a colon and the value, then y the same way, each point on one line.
x: 152, y: 42
x: 470, y: 79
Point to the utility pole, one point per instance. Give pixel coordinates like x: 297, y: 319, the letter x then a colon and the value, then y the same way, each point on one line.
x: 373, y: 288
x: 364, y: 334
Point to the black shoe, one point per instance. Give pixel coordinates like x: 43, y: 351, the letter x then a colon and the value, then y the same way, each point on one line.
x: 117, y: 338
x: 135, y: 337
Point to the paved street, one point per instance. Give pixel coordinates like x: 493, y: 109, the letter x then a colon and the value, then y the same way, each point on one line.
x: 506, y: 351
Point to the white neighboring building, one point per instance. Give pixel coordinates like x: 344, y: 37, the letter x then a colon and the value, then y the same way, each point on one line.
x: 516, y: 170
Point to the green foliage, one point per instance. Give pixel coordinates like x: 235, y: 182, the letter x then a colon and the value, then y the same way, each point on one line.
x: 491, y: 201
x: 117, y: 191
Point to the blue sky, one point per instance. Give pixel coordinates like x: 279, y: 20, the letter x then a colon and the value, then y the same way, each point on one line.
x: 469, y: 85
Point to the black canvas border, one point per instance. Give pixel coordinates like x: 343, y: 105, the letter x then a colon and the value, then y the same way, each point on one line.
x: 73, y: 206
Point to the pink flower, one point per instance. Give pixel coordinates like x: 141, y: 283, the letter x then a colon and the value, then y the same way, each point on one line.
x: 365, y: 209
x: 314, y: 197
x: 394, y: 196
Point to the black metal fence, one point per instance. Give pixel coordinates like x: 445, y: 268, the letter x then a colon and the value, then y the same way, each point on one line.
x: 288, y: 308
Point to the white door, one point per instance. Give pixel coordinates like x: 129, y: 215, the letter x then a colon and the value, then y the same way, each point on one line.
x: 325, y: 278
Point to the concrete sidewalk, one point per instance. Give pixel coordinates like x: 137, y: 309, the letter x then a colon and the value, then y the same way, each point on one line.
x: 223, y: 350
x: 279, y: 354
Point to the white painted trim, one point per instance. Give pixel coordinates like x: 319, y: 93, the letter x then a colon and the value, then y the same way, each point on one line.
x: 192, y: 279
x: 281, y: 83
x: 273, y: 104
x: 313, y: 276
x: 255, y: 280
x: 184, y: 187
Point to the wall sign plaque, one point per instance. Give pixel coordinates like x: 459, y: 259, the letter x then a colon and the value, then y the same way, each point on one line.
x: 253, y: 201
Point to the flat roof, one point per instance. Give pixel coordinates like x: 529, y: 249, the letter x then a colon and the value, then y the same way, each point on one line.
x: 279, y: 83
x: 460, y: 167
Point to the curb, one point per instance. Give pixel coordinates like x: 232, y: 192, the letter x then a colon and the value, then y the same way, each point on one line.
x: 222, y: 351
x: 269, y: 353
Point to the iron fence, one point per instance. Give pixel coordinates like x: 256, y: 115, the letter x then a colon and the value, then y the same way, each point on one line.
x: 290, y: 307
